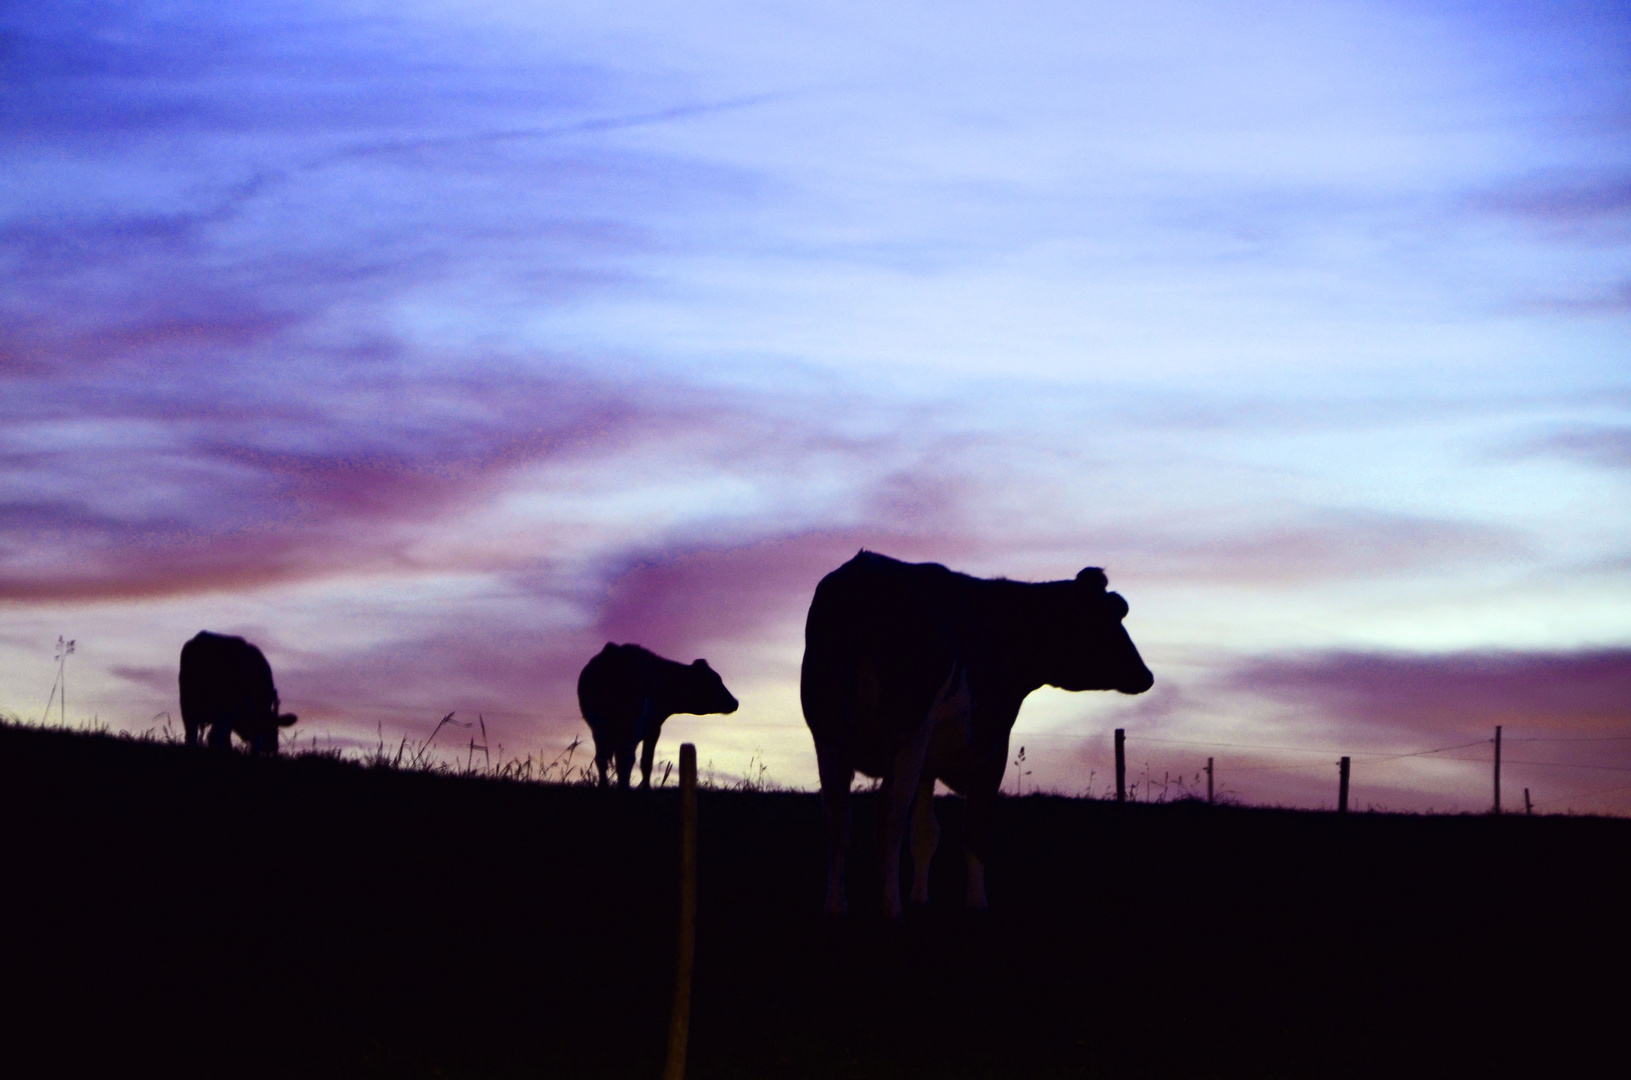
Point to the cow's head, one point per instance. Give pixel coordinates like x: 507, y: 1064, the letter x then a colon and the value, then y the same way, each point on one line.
x: 1087, y: 646
x: 261, y: 732
x: 707, y: 691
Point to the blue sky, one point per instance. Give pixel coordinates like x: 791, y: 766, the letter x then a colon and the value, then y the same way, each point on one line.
x: 431, y: 346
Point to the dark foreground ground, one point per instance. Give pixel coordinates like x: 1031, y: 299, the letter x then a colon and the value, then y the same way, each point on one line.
x: 173, y: 913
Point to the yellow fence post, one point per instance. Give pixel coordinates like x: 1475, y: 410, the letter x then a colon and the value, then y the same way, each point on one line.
x: 679, y: 1021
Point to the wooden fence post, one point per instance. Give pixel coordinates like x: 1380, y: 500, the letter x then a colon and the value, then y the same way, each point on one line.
x: 679, y: 1020
x: 1342, y: 786
x: 1528, y: 807
x: 1121, y: 765
x: 1497, y: 768
x: 1208, y: 781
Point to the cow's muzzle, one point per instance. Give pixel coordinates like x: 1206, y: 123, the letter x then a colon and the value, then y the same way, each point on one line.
x: 1137, y: 684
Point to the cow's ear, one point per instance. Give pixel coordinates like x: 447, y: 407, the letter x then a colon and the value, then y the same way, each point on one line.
x: 1118, y: 606
x: 700, y: 663
x: 1093, y: 578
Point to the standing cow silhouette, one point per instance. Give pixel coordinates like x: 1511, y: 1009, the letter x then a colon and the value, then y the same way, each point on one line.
x: 915, y: 673
x: 626, y: 692
x: 226, y: 688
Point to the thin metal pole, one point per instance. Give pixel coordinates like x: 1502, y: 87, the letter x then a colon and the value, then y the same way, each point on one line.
x: 1121, y: 765
x: 1497, y: 768
x: 1208, y: 781
x: 679, y: 1021
x: 1342, y: 786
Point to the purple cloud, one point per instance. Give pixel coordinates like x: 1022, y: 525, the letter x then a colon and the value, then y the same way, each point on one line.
x: 1310, y: 547
x: 236, y: 495
x: 1562, y: 201
x: 1566, y: 719
x: 1587, y: 692
x: 1609, y: 447
x: 675, y: 601
x: 1612, y: 300
x: 202, y: 373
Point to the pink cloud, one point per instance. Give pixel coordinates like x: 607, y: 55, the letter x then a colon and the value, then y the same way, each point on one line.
x: 249, y: 499
x: 1562, y: 199
x: 1566, y: 719
x: 1585, y: 692
x: 677, y: 600
x: 1605, y: 446
x: 1310, y: 547
x: 1609, y: 300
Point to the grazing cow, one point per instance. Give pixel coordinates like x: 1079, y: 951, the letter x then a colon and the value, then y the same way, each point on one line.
x: 226, y: 687
x: 914, y: 673
x: 626, y: 692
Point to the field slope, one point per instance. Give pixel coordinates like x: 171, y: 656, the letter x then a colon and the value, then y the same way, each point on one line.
x: 179, y: 913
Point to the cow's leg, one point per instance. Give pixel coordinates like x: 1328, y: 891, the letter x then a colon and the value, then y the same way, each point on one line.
x: 976, y: 882
x: 602, y: 759
x: 895, y: 801
x: 835, y: 781
x: 977, y: 845
x: 648, y: 748
x: 925, y: 837
x: 191, y: 728
x: 646, y: 728
x: 625, y: 765
x: 220, y: 737
x: 950, y: 711
x: 982, y: 804
x: 262, y: 739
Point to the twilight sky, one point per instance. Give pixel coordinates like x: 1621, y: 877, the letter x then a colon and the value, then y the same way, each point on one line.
x: 432, y: 345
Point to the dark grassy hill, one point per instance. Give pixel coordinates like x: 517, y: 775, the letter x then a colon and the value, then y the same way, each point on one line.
x: 179, y: 913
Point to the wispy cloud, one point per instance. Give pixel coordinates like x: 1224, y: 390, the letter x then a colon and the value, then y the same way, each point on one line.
x: 733, y: 594
x: 1603, y: 445
x: 323, y: 478
x: 1611, y: 300
x: 214, y: 374
x: 1594, y: 199
x: 1587, y: 692
x: 1309, y: 547
x: 1418, y: 727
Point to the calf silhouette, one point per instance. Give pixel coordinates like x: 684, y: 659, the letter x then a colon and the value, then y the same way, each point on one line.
x: 625, y: 694
x: 226, y: 687
x: 913, y: 673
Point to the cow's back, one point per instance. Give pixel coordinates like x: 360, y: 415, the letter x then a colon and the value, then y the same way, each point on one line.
x: 612, y: 686
x: 879, y: 641
x: 223, y: 672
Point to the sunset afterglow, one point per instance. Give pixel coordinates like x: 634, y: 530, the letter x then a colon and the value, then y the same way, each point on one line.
x: 431, y: 346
